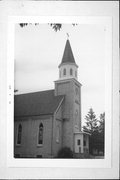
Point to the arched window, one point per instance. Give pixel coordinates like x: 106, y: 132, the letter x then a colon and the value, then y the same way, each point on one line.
x: 71, y: 72
x: 64, y: 72
x: 40, y: 134
x: 19, y: 136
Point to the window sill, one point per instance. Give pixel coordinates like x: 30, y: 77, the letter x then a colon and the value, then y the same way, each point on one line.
x: 39, y: 145
x: 18, y: 145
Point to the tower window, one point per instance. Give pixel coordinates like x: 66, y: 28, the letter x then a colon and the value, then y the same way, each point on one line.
x: 19, y: 136
x: 84, y: 143
x: 76, y: 117
x: 76, y: 91
x: 60, y: 73
x: 78, y: 142
x: 75, y: 73
x: 76, y: 112
x: 64, y: 72
x: 71, y: 72
x: 40, y: 134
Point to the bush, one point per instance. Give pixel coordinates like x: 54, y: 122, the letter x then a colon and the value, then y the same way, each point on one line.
x: 65, y: 152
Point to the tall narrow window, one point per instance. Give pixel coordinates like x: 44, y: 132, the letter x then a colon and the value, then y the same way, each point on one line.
x: 76, y: 91
x: 78, y: 142
x: 76, y: 117
x: 58, y: 134
x: 19, y: 136
x: 60, y: 73
x: 64, y: 72
x: 40, y: 134
x: 75, y: 73
x: 84, y: 143
x: 71, y: 72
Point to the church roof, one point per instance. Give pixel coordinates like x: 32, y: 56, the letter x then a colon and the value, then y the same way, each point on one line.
x: 68, y: 54
x: 37, y: 103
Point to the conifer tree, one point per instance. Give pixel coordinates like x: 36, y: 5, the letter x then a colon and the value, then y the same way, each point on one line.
x: 96, y: 129
x: 91, y: 122
x: 102, y: 122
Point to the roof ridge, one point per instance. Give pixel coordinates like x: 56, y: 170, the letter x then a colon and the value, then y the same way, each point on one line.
x: 34, y: 92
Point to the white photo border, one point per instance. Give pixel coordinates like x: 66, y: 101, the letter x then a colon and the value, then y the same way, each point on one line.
x: 73, y: 163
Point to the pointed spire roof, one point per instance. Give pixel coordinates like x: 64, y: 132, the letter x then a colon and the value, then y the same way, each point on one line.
x: 68, y: 54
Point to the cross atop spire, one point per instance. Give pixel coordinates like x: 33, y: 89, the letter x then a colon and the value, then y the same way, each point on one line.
x: 67, y: 35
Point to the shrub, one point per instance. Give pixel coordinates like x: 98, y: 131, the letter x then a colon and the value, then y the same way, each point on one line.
x: 65, y: 152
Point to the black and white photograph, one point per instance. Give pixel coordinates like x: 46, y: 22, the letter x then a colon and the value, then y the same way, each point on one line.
x: 59, y: 90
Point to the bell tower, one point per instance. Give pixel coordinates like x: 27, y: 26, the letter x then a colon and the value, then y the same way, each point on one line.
x: 68, y: 85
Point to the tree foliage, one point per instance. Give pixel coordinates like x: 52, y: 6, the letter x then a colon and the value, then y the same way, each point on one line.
x: 91, y: 122
x: 15, y: 90
x: 96, y: 128
x: 102, y: 122
x: 55, y: 26
x: 25, y: 24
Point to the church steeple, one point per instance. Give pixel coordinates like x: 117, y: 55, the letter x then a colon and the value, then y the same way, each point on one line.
x: 68, y: 66
x: 69, y: 86
x: 68, y: 54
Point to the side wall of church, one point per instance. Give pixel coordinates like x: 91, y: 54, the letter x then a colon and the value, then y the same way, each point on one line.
x: 30, y: 128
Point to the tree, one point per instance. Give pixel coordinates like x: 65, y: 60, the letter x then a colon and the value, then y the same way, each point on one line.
x: 96, y: 128
x: 102, y: 122
x: 15, y: 90
x: 55, y: 26
x: 101, y: 130
x: 91, y: 122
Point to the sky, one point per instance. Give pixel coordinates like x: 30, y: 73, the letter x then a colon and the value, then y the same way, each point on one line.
x: 39, y: 50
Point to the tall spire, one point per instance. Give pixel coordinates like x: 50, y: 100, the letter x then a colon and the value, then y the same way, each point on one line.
x: 68, y: 66
x: 68, y: 54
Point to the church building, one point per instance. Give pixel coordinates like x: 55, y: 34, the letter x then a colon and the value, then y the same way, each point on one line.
x: 47, y: 121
